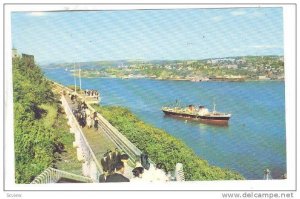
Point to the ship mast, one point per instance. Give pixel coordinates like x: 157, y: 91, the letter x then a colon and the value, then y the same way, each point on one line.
x: 75, y: 78
x: 79, y: 77
x: 267, y: 174
x: 214, y: 104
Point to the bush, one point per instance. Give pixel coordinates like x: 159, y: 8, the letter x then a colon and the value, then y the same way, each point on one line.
x: 35, y: 113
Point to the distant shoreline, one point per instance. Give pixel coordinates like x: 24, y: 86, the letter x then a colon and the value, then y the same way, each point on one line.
x: 228, y: 69
x: 174, y: 79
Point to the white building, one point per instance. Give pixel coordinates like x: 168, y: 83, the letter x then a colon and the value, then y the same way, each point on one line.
x: 263, y: 77
x: 14, y: 53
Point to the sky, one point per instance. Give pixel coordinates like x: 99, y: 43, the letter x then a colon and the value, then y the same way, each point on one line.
x: 77, y: 36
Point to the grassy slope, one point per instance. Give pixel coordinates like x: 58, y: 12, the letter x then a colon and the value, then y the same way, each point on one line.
x: 68, y: 158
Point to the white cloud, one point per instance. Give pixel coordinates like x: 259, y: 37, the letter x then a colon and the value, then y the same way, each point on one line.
x: 257, y: 14
x: 217, y: 18
x: 237, y: 13
x: 37, y: 14
x: 265, y: 46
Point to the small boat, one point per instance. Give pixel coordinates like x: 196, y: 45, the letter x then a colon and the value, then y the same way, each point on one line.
x: 201, y: 114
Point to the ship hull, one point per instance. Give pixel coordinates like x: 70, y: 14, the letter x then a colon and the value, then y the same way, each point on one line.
x: 221, y: 119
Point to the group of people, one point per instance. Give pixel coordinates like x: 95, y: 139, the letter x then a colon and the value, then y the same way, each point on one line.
x: 146, y: 172
x: 116, y: 169
x: 93, y: 93
x: 114, y: 166
x: 85, y: 117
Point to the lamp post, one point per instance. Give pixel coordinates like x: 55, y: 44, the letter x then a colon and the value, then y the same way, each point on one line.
x: 79, y: 77
x: 75, y: 78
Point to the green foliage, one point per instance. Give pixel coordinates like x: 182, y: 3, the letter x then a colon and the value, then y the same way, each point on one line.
x: 35, y: 111
x: 50, y: 114
x: 249, y: 66
x: 67, y: 160
x: 162, y: 147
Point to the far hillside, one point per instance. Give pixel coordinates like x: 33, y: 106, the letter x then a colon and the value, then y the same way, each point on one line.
x: 246, y: 67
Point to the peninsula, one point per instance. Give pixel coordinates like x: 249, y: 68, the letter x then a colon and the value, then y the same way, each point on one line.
x: 246, y: 68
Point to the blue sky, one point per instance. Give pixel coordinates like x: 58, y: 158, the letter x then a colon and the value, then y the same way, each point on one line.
x: 148, y: 34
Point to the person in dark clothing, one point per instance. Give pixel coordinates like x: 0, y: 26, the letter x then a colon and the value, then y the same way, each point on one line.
x: 110, y: 162
x: 145, y: 161
x: 137, y: 174
x: 161, y: 166
x: 73, y: 99
x: 83, y: 118
x: 104, y: 164
x: 118, y: 175
x: 96, y: 123
x: 82, y: 121
x: 116, y: 155
x: 95, y: 114
x: 84, y: 105
x: 77, y: 114
x: 102, y: 178
x: 79, y: 106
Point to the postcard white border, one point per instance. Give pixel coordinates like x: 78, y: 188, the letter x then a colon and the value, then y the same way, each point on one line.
x: 289, y: 55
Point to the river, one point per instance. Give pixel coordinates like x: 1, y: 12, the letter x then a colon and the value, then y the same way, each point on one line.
x: 255, y: 138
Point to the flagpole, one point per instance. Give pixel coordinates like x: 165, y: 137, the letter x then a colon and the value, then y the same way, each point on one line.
x: 80, y: 77
x: 75, y: 78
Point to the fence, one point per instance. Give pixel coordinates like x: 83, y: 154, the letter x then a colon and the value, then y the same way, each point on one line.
x: 91, y: 166
x: 52, y: 175
x: 119, y: 139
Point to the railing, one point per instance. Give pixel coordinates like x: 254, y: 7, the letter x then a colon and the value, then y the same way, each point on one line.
x: 116, y: 137
x: 179, y: 174
x: 91, y: 166
x: 61, y: 86
x: 52, y: 175
x: 88, y: 99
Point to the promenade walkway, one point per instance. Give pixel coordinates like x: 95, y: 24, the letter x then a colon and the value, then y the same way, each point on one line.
x: 97, y: 139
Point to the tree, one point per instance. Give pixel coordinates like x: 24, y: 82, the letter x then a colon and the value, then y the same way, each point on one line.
x: 33, y: 140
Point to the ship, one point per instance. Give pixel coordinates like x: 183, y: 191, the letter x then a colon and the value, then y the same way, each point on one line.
x: 200, y: 113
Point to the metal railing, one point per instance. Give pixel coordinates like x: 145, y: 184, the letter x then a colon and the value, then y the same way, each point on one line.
x: 61, y: 86
x: 88, y: 99
x: 51, y: 175
x: 179, y: 174
x: 118, y: 138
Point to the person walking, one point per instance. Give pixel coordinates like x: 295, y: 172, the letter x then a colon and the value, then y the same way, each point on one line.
x: 96, y: 122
